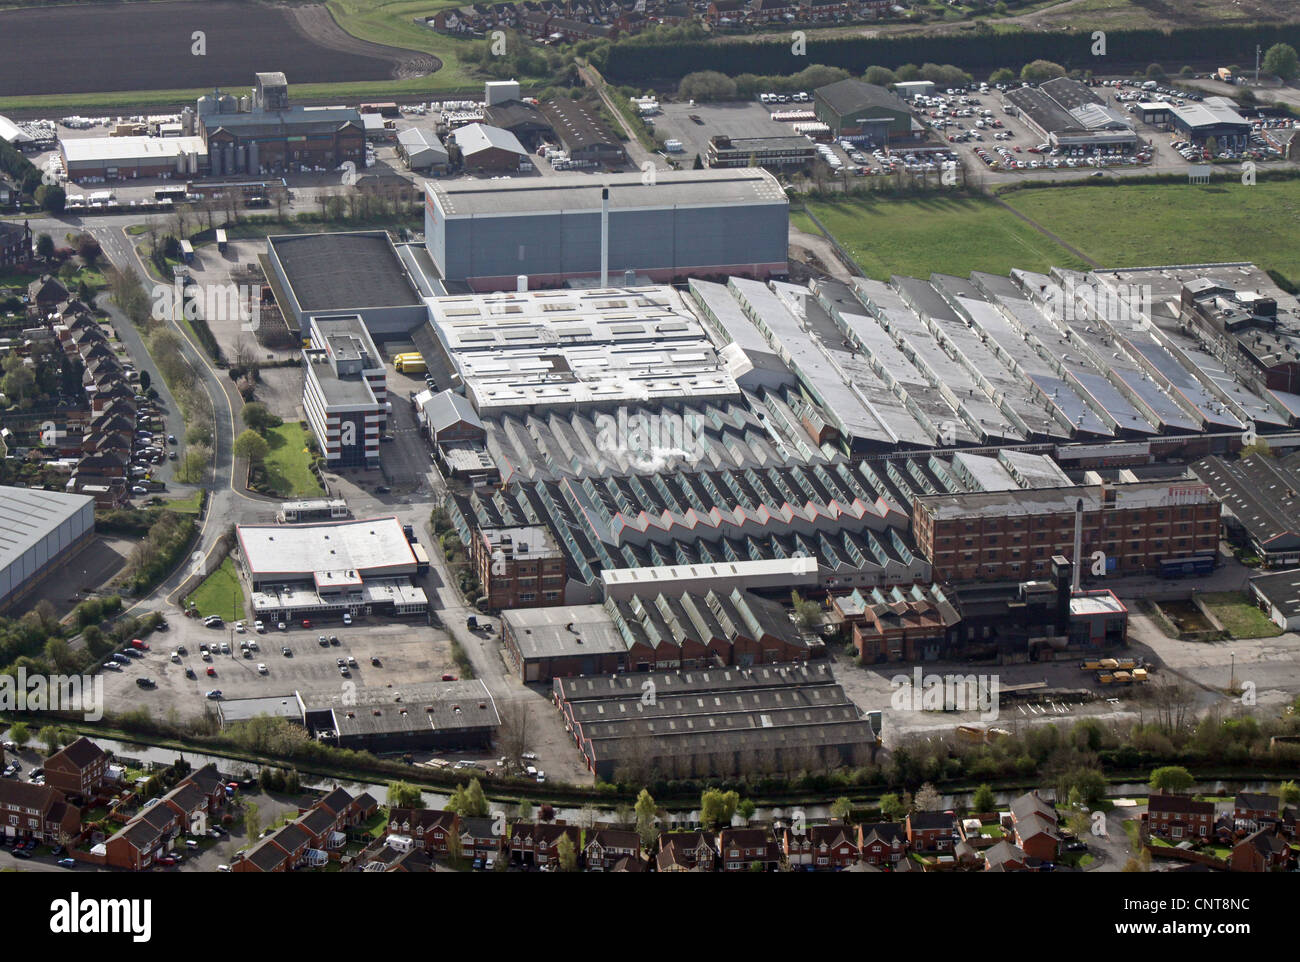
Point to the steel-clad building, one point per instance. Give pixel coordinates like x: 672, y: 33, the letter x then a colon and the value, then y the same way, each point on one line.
x: 39, y: 530
x: 684, y: 223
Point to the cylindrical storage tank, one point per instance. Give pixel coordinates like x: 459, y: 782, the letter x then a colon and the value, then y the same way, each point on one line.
x: 629, y: 278
x: 254, y: 166
x: 194, y: 161
x: 241, y: 158
x: 245, y: 105
x: 187, y: 121
x: 215, y: 158
x: 206, y: 105
x: 180, y: 162
x: 229, y: 104
x: 228, y: 161
x: 521, y: 283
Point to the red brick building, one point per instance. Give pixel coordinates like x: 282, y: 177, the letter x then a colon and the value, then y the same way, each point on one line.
x: 931, y: 831
x: 518, y: 567
x: 1261, y: 851
x: 882, y: 843
x: 686, y: 852
x: 1033, y: 827
x: 36, y: 812
x: 428, y: 827
x: 740, y: 848
x: 1012, y: 535
x: 1179, y: 817
x: 80, y: 768
x: 903, y: 630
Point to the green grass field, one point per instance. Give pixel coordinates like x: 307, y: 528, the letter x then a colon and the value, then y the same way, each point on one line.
x: 955, y: 235
x: 220, y: 593
x: 288, y: 465
x: 803, y: 222
x: 1239, y: 616
x: 190, y: 505
x: 1140, y: 224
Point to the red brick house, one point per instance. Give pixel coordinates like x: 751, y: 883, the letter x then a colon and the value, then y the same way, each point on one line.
x: 1033, y: 827
x: 740, y: 848
x: 538, y: 843
x: 1005, y: 857
x: 1261, y: 851
x: 208, y: 781
x: 931, y: 831
x: 36, y: 811
x: 1250, y: 810
x: 146, y: 837
x: 686, y: 852
x: 833, y: 847
x: 1179, y: 817
x: 882, y: 843
x: 80, y: 768
x: 479, y: 838
x: 429, y: 827
x: 609, y: 846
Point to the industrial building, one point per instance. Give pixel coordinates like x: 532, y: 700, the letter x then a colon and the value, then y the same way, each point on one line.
x: 583, y: 133
x: 1261, y: 503
x: 857, y: 110
x: 265, y: 134
x: 525, y: 120
x: 346, y: 272
x: 519, y: 566
x: 1279, y: 596
x: 714, y: 722
x: 1067, y: 114
x: 551, y: 350
x: 39, y: 531
x: 687, y: 223
x: 485, y: 148
x: 421, y: 150
x: 771, y: 152
x: 1215, y: 117
x: 359, y: 566
x: 1139, y: 528
x: 125, y: 158
x: 439, y: 716
x: 344, y: 391
x: 1266, y: 336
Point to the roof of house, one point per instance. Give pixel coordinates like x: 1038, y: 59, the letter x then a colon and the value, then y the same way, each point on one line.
x: 82, y: 753
x: 1179, y: 805
x: 1004, y: 852
x: 1253, y: 801
x: 336, y: 801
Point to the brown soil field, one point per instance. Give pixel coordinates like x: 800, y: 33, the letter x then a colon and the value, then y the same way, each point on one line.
x: 147, y: 46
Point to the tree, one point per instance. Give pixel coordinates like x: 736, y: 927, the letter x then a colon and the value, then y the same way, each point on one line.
x: 252, y: 447
x: 513, y: 732
x: 145, y: 381
x: 807, y: 613
x: 892, y: 807
x: 1155, y: 72
x: 49, y: 736
x: 51, y: 197
x: 983, y: 799
x: 645, y: 818
x: 252, y: 819
x: 1289, y: 792
x: 1280, y: 61
x: 403, y: 795
x: 258, y: 417
x: 1037, y: 71
x: 879, y: 76
x: 1081, y: 787
x: 20, y: 734
x: 567, y: 854
x: 926, y: 800
x: 88, y: 248
x: 842, y: 808
x: 1003, y: 75
x: 705, y: 85
x: 717, y: 807
x: 746, y: 809
x: 45, y: 247
x: 455, y: 851
x: 1171, y: 779
x: 525, y: 813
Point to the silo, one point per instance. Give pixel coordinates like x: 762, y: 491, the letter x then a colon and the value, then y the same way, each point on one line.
x: 228, y: 104
x: 254, y: 167
x: 215, y: 158
x: 180, y: 162
x: 245, y: 105
x: 187, y: 121
x: 194, y: 161
x: 228, y: 161
x: 241, y: 158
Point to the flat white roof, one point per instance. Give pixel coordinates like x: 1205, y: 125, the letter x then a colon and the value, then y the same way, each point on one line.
x: 363, y: 548
x: 87, y: 150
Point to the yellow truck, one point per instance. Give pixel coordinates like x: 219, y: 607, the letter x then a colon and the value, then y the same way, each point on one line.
x: 410, y: 364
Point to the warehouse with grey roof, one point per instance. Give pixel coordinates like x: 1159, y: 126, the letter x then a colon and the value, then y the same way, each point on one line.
x: 39, y: 530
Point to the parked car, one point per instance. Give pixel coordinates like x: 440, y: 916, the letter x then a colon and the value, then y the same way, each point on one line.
x: 67, y: 863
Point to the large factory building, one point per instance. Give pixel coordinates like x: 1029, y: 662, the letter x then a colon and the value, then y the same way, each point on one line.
x: 39, y: 530
x: 265, y: 135
x: 685, y: 223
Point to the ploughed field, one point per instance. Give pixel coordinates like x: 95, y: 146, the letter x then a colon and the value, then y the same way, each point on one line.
x: 97, y: 48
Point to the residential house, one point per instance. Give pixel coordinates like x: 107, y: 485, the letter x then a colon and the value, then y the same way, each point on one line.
x: 15, y: 244
x: 740, y: 849
x: 1032, y: 822
x: 1179, y: 817
x: 79, y: 769
x: 429, y: 827
x: 145, y: 838
x: 1261, y: 851
x: 686, y: 852
x: 833, y: 847
x: 1251, y: 810
x: 931, y: 831
x: 38, y: 812
x: 608, y: 846
x: 46, y: 293
x: 883, y: 843
x: 538, y: 843
x: 479, y: 838
x: 1005, y: 857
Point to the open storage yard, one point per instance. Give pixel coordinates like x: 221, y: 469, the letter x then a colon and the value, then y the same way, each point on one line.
x: 97, y: 48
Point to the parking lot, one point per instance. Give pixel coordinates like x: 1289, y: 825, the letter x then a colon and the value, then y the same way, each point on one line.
x: 410, y: 653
